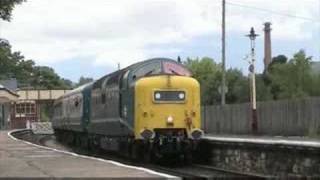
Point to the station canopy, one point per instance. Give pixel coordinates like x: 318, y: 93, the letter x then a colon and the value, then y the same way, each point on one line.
x: 7, y: 95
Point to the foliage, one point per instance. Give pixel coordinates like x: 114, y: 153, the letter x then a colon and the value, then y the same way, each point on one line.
x: 6, y: 7
x: 292, y: 79
x: 263, y: 90
x: 83, y: 80
x: 280, y: 59
x: 208, y: 73
x: 44, y: 77
x: 67, y: 83
x: 283, y: 80
x: 238, y: 86
x: 28, y: 75
x: 14, y: 65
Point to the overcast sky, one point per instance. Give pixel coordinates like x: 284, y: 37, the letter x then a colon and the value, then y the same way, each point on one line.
x: 82, y: 37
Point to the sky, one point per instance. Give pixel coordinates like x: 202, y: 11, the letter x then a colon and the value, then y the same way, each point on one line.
x: 89, y: 38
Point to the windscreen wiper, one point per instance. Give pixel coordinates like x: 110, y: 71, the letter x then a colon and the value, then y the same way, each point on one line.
x: 148, y: 73
x: 174, y: 72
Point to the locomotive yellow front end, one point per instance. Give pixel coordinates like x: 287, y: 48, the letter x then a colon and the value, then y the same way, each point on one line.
x: 167, y: 113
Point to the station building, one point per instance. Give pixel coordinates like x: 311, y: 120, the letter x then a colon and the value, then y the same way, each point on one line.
x: 7, y: 98
x: 30, y: 105
x: 20, y: 107
x: 24, y: 112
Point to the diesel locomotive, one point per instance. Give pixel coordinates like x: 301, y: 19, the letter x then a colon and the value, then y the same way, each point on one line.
x: 148, y: 110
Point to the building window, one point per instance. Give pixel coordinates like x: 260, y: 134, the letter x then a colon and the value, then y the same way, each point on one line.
x: 25, y: 108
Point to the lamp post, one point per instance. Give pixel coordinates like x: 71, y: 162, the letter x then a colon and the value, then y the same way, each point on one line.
x: 254, y: 124
x: 223, y: 54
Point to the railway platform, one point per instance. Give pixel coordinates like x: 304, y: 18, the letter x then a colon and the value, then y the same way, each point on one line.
x: 285, y: 157
x: 297, y: 141
x: 19, y: 159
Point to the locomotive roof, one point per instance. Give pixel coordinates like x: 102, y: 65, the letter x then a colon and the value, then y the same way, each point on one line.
x: 135, y: 66
x: 76, y: 90
x: 120, y: 72
x: 138, y: 64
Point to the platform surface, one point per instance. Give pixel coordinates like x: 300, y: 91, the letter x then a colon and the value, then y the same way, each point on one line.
x: 22, y: 160
x: 270, y: 140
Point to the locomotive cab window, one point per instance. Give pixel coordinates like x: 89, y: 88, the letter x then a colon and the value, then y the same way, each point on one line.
x: 169, y: 96
x: 149, y: 69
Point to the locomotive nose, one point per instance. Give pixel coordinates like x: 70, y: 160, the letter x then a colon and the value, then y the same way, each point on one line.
x: 168, y: 103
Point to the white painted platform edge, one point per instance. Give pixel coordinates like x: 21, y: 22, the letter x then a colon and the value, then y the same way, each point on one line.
x: 93, y: 158
x: 253, y: 140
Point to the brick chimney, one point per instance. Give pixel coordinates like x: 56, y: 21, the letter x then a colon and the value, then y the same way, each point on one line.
x: 267, y: 45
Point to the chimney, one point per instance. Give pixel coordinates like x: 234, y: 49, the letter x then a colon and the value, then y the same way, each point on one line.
x: 267, y: 45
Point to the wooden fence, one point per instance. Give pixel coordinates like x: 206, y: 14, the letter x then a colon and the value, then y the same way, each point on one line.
x: 276, y: 118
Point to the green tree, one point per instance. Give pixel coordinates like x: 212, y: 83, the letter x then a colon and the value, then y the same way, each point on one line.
x: 238, y: 87
x: 283, y: 80
x: 273, y: 88
x: 45, y: 78
x: 263, y: 90
x: 67, y: 83
x: 14, y: 65
x: 280, y: 59
x: 292, y: 79
x: 207, y: 72
x: 84, y: 80
x: 6, y: 7
x: 209, y: 75
x: 315, y: 87
x: 6, y: 61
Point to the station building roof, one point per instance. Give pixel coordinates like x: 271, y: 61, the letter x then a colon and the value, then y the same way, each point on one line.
x: 7, y: 95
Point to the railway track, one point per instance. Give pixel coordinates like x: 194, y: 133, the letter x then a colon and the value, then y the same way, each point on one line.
x: 186, y: 172
x: 197, y: 171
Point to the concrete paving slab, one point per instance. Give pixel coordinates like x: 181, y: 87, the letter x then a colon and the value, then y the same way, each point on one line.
x: 22, y: 160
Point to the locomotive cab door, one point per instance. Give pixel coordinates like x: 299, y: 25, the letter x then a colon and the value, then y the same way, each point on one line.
x: 86, y: 108
x: 126, y: 100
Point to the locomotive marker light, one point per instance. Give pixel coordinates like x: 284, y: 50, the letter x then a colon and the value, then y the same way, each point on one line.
x: 147, y: 134
x: 181, y: 95
x: 196, y: 134
x: 252, y: 37
x: 157, y: 95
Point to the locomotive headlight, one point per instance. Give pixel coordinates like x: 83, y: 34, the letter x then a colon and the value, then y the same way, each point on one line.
x: 170, y: 120
x: 181, y: 95
x: 196, y: 134
x: 157, y: 95
x: 147, y: 134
